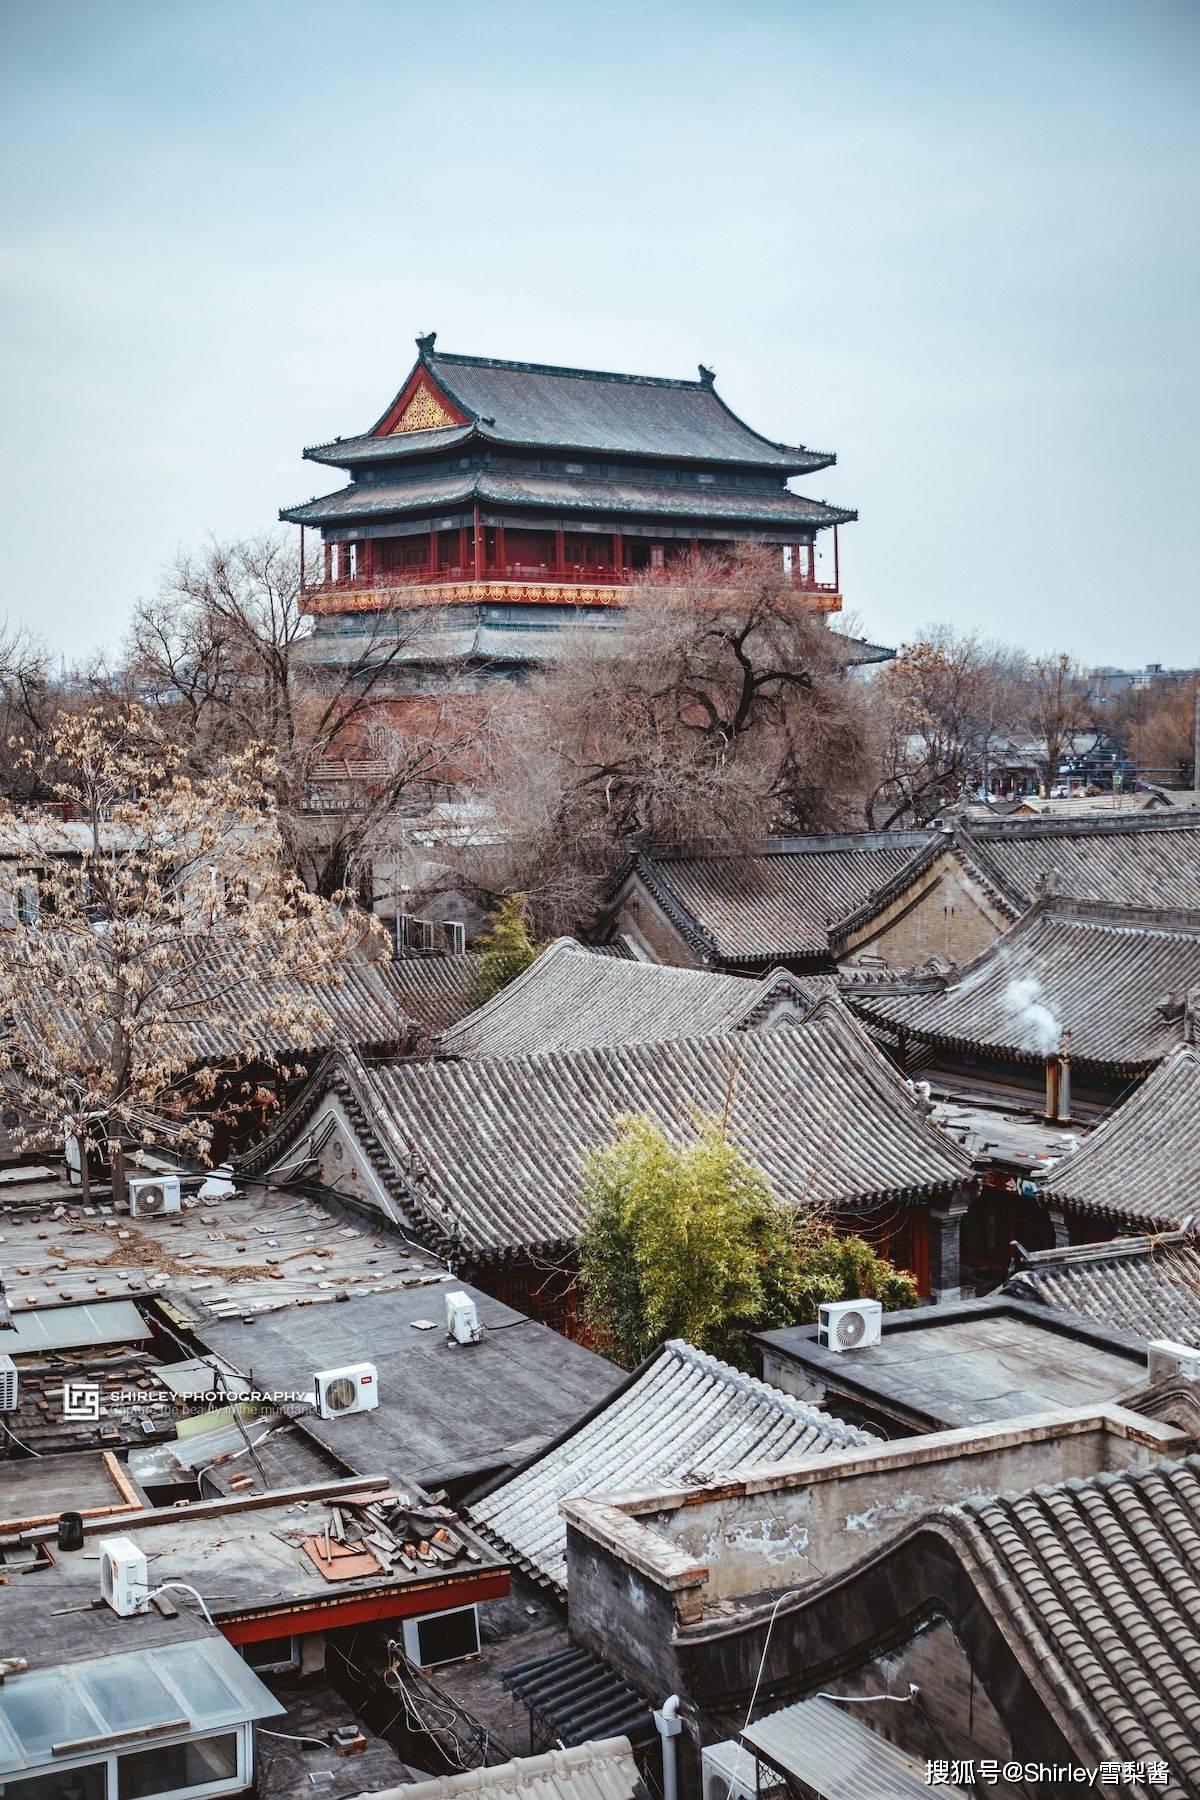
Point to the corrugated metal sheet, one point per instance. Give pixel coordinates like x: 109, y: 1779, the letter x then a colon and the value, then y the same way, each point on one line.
x: 73, y: 1327
x: 596, y: 1771
x: 822, y: 1744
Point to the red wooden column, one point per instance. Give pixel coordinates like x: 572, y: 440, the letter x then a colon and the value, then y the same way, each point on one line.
x: 837, y: 581
x: 366, y: 559
x: 618, y: 556
x: 812, y: 562
x: 302, y: 559
x: 433, y: 553
x: 560, y: 560
x: 328, y: 564
x: 501, y: 553
x: 695, y: 550
x: 478, y: 545
x: 462, y: 548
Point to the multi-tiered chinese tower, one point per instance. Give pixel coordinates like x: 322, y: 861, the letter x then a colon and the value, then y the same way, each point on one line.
x: 513, y: 498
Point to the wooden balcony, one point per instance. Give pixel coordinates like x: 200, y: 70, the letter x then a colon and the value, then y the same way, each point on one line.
x: 540, y: 584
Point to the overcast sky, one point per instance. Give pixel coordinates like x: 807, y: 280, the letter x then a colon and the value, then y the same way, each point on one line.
x: 957, y: 244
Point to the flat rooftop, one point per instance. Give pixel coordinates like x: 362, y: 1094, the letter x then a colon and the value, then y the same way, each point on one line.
x: 948, y: 1366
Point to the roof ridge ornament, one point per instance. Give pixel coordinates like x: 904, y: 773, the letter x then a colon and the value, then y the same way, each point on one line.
x: 425, y: 343
x: 708, y: 376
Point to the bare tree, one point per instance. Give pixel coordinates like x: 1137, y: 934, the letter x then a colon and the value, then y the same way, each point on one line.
x: 222, y: 650
x: 173, y: 927
x: 1060, y: 704
x: 942, y: 707
x: 715, y: 708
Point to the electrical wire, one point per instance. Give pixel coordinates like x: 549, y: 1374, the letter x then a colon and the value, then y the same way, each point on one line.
x: 8, y: 1431
x: 293, y: 1738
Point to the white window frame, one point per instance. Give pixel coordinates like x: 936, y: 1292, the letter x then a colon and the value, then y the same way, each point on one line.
x: 108, y: 1760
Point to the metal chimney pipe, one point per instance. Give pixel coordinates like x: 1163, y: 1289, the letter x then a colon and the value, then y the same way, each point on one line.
x: 669, y: 1727
x: 1064, y: 1078
x: 1053, y: 1071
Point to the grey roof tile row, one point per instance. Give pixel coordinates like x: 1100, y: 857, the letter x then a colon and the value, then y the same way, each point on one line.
x: 1149, y: 1286
x: 1100, y: 1581
x: 775, y: 902
x: 683, y: 1414
x: 571, y: 999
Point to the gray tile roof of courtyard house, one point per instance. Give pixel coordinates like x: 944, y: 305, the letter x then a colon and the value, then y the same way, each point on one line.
x: 233, y: 1002
x: 1146, y: 860
x: 776, y: 902
x: 435, y: 991
x: 622, y: 497
x: 1142, y: 1165
x: 682, y: 1414
x: 1146, y: 1285
x: 1116, y: 978
x: 572, y: 999
x: 545, y: 406
x: 1101, y: 1580
x: 486, y: 1158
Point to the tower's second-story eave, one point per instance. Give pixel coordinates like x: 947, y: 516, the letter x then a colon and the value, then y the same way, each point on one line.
x: 415, y: 503
x: 402, y: 447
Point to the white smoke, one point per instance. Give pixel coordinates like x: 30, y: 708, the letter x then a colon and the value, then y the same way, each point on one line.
x: 1021, y: 998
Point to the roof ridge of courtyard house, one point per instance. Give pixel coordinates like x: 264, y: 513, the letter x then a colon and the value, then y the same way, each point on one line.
x: 413, y: 1118
x: 741, y: 1001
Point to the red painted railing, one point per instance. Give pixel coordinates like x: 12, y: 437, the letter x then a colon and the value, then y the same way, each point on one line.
x: 571, y: 574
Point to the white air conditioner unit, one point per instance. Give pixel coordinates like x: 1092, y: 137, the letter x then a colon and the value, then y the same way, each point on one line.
x: 728, y: 1771
x: 435, y: 1638
x: 462, y: 1319
x: 353, y: 1389
x: 9, y: 1384
x: 849, y: 1324
x: 153, y: 1194
x: 123, y: 1581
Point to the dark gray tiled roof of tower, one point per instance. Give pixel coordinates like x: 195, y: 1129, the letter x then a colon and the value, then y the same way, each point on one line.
x: 486, y: 1158
x: 545, y: 406
x: 682, y: 1414
x: 571, y: 999
x: 777, y: 901
x: 626, y: 496
x: 1143, y: 1163
x: 1104, y: 973
x: 1149, y: 1286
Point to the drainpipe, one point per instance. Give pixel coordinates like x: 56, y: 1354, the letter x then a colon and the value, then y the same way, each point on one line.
x: 669, y: 1729
x: 1064, y: 1078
